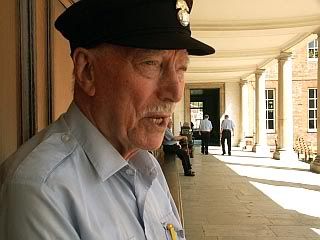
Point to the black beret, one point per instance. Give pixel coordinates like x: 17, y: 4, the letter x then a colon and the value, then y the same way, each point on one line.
x: 148, y: 24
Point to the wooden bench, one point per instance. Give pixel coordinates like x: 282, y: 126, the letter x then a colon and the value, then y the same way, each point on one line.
x: 169, y: 167
x: 305, y: 149
x: 248, y: 143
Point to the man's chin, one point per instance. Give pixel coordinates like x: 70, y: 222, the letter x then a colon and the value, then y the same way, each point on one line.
x: 147, y: 139
x: 151, y: 144
x: 151, y: 147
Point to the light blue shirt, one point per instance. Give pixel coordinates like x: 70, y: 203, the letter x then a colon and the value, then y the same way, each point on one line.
x: 205, y: 125
x: 227, y: 124
x: 70, y: 183
x: 168, y: 138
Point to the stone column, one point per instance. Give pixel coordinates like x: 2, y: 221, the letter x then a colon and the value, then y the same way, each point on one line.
x: 315, y: 164
x: 285, y: 114
x: 260, y: 146
x: 244, y: 112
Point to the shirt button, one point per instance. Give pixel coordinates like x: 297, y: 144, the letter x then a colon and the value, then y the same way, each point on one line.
x: 65, y: 138
x: 129, y: 172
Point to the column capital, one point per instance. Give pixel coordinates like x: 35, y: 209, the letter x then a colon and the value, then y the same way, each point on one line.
x: 284, y: 56
x: 317, y: 32
x: 243, y: 82
x: 259, y: 72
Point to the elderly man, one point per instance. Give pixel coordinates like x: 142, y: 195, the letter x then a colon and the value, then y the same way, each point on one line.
x: 89, y: 175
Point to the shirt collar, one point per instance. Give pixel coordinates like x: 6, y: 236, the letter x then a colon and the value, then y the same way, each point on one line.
x: 104, y: 157
x: 144, y: 163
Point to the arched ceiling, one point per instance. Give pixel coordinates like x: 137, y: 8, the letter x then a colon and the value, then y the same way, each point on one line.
x: 247, y: 34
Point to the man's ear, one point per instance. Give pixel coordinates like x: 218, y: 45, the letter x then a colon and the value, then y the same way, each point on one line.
x: 83, y: 70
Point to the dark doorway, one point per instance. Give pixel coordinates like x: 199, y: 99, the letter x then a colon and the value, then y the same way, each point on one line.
x: 206, y: 101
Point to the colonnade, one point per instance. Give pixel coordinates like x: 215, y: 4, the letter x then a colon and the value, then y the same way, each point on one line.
x: 284, y: 120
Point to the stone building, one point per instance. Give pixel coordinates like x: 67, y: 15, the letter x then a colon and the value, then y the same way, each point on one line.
x: 304, y: 85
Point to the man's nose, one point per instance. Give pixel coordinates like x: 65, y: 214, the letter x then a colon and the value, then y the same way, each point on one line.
x: 171, y: 86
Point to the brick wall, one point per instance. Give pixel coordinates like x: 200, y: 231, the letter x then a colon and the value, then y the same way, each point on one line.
x: 304, y: 77
x: 300, y: 109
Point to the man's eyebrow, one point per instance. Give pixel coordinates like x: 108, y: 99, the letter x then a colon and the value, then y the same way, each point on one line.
x: 188, y: 60
x: 149, y: 51
x: 156, y: 51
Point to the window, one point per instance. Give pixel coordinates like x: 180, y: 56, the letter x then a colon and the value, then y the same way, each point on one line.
x: 196, y: 109
x: 313, y: 49
x: 270, y: 110
x: 312, y: 110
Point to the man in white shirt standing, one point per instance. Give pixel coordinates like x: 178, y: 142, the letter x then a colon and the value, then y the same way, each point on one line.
x: 227, y: 126
x: 205, y: 129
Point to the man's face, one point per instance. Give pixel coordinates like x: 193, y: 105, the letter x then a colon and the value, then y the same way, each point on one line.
x: 135, y: 94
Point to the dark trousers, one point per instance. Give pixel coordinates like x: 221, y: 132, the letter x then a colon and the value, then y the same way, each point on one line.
x: 182, y: 154
x: 226, y: 134
x: 205, y: 138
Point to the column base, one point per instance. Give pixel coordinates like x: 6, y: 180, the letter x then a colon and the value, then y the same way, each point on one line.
x: 315, y: 165
x: 246, y: 144
x: 261, y: 150
x: 284, y: 154
x: 242, y: 143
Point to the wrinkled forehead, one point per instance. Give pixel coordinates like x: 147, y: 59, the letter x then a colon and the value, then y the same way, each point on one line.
x: 130, y: 54
x: 181, y: 54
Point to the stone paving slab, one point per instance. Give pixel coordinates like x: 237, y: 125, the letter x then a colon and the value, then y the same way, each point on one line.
x: 221, y: 203
x: 238, y: 230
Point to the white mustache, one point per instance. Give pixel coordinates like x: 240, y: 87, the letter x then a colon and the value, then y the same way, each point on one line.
x: 161, y: 108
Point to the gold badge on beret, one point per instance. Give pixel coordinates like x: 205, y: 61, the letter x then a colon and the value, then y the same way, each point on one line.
x: 183, y: 14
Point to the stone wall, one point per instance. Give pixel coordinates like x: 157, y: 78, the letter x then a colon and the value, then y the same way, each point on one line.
x: 304, y: 77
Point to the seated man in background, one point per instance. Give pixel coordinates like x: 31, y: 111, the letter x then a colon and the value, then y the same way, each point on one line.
x: 187, y: 145
x: 170, y: 145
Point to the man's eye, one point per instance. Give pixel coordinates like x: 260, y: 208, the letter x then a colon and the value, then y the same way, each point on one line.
x: 182, y: 69
x: 150, y: 68
x: 151, y: 63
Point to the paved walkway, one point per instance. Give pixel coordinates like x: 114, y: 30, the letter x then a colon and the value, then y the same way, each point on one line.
x: 243, y: 197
